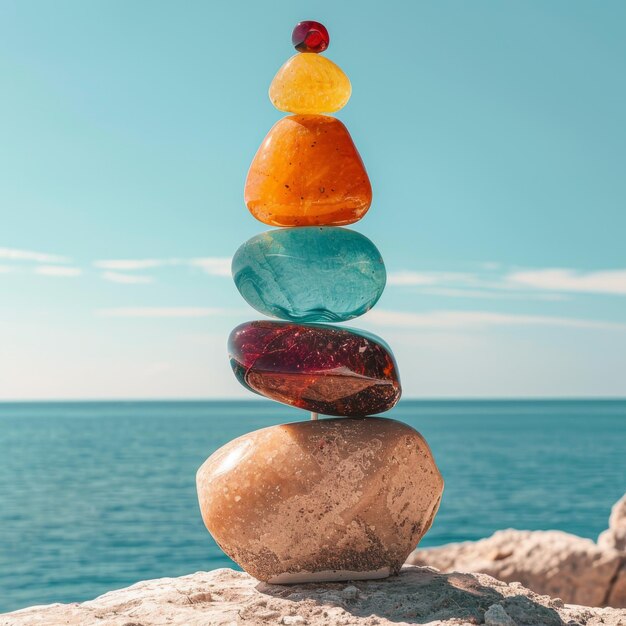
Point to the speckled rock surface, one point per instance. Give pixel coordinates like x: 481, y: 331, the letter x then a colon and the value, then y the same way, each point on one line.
x: 333, y: 499
x: 227, y: 598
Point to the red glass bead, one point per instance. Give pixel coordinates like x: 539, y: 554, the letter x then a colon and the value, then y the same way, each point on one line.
x: 316, y: 367
x: 310, y: 36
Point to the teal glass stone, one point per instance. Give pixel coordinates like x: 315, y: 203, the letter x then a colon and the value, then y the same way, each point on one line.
x: 310, y: 274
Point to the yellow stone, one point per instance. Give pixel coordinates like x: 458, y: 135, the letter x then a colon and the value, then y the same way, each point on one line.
x: 310, y: 83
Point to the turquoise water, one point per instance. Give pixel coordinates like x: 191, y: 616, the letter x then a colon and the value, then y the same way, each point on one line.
x: 96, y: 496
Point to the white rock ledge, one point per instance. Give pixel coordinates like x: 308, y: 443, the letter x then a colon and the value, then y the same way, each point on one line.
x: 419, y: 595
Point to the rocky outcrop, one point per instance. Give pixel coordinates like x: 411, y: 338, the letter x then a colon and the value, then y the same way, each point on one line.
x: 549, y: 562
x: 228, y: 598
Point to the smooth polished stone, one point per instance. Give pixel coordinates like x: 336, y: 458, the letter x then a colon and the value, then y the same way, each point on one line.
x: 310, y: 83
x: 333, y: 499
x: 308, y: 172
x: 324, y: 369
x: 311, y: 274
x: 310, y: 36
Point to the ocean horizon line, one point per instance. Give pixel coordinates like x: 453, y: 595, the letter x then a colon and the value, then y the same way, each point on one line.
x: 414, y: 400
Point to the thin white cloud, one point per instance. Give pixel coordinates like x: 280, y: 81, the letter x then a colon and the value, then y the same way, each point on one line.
x: 490, y: 282
x: 15, y: 254
x: 419, y: 279
x: 478, y: 319
x: 5, y: 269
x: 496, y: 294
x: 164, y: 312
x: 126, y: 279
x: 410, y: 279
x: 215, y: 266
x: 568, y: 280
x: 134, y: 264
x: 62, y: 271
x: 490, y: 266
x: 519, y: 284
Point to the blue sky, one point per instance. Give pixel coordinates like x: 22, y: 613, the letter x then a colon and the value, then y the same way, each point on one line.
x: 494, y: 134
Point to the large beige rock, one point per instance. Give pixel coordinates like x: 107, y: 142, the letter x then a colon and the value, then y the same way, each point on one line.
x: 332, y: 499
x: 227, y: 598
x: 549, y: 562
x: 614, y: 538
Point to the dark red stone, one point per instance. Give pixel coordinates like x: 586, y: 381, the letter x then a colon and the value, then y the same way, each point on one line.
x: 319, y: 368
x: 310, y: 36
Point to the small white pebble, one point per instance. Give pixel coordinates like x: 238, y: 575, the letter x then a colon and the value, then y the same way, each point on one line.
x: 350, y: 593
x: 237, y: 498
x: 329, y: 596
x: 497, y: 616
x: 293, y: 619
x: 296, y: 597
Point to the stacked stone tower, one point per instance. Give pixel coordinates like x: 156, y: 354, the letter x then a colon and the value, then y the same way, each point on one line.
x: 322, y: 499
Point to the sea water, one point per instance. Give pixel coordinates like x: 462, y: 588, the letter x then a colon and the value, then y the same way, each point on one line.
x: 97, y: 496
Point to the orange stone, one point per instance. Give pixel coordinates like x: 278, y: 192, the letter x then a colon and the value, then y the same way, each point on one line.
x: 308, y: 172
